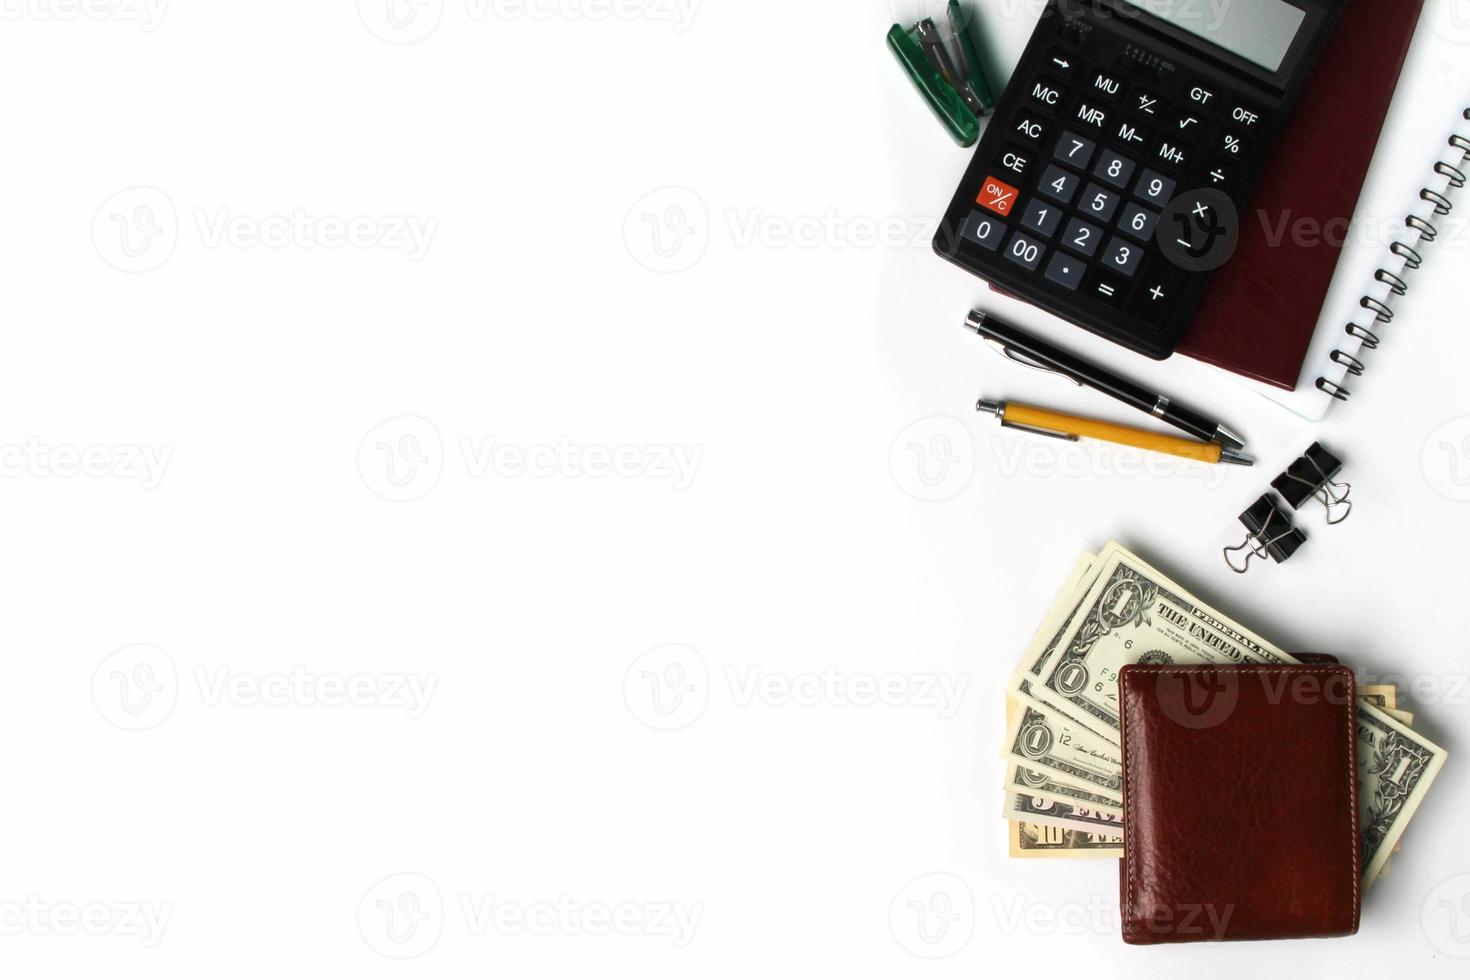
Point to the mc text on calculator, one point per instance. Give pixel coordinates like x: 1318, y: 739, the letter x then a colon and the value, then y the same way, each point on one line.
x: 1112, y: 178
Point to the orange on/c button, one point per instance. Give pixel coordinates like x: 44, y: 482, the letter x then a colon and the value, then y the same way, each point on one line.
x: 997, y: 196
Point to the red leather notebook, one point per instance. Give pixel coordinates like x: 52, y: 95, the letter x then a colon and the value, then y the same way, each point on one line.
x: 1262, y: 307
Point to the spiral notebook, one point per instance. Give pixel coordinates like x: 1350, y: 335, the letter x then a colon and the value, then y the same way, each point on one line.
x: 1333, y: 372
x: 1419, y: 164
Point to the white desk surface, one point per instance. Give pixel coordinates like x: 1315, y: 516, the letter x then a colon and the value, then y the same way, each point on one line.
x: 363, y: 271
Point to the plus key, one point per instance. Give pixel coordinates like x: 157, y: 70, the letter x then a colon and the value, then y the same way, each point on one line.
x: 998, y: 196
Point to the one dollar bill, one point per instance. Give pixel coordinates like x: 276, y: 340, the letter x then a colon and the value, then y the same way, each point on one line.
x: 1031, y: 840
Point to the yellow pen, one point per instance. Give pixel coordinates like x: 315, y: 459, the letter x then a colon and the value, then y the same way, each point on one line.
x: 1074, y: 427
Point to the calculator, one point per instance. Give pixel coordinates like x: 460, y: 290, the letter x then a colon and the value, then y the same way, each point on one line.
x: 1112, y: 180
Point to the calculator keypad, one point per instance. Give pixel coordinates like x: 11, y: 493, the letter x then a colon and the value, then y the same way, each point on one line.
x: 1082, y: 237
x: 1098, y: 203
x: 1089, y: 149
x: 1059, y: 185
x: 1041, y: 217
x: 1065, y: 270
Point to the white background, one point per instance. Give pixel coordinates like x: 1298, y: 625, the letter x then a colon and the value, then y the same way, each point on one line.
x: 645, y: 234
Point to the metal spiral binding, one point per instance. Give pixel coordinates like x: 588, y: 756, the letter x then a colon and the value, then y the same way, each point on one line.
x: 1428, y: 232
x: 1395, y: 284
x: 1354, y: 366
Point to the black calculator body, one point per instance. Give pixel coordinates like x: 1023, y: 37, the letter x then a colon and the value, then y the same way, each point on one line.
x: 1113, y: 177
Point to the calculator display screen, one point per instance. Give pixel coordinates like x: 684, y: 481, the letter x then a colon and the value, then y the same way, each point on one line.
x: 1260, y: 31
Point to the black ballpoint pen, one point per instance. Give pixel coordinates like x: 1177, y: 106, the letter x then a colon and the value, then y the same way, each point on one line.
x: 1028, y: 349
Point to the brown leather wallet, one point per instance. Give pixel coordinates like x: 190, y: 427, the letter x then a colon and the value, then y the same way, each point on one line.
x: 1240, y: 809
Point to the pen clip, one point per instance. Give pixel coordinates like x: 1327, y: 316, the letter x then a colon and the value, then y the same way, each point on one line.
x: 1028, y: 362
x: 1034, y: 430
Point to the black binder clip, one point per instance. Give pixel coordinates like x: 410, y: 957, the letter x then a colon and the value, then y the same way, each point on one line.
x: 1311, y: 477
x: 1269, y: 534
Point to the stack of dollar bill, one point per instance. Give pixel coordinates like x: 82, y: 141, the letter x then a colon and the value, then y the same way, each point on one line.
x: 1063, y: 768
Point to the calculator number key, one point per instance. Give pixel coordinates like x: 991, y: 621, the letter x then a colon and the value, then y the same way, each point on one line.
x: 1155, y: 188
x: 984, y: 230
x: 998, y: 196
x: 1114, y: 168
x: 1058, y: 185
x: 1024, y: 251
x: 1098, y: 203
x: 1122, y: 256
x: 1082, y: 237
x: 1138, y: 221
x: 1041, y: 218
x: 1075, y: 150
